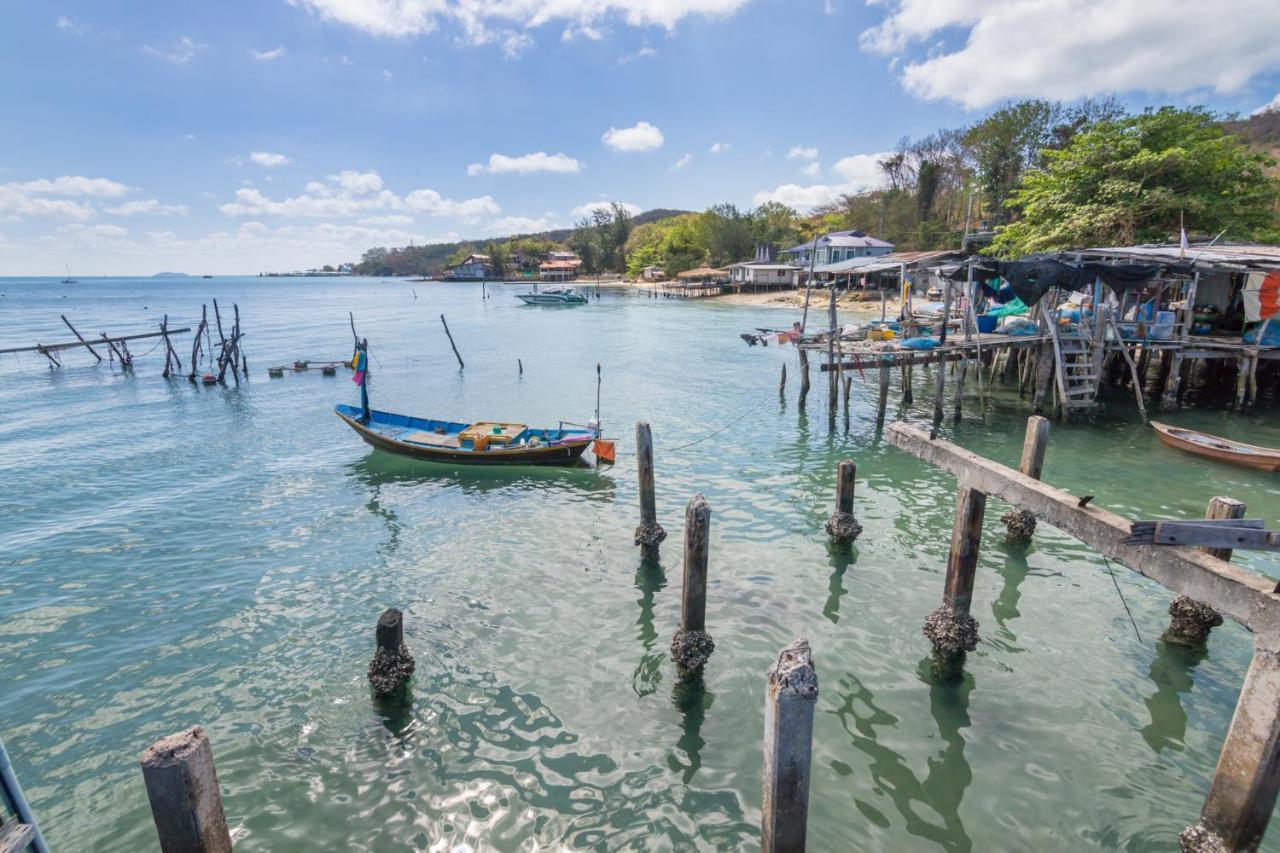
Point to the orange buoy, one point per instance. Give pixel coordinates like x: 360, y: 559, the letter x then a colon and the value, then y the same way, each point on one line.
x: 209, y: 379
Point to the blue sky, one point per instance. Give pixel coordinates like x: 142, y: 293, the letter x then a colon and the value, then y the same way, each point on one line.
x: 235, y: 137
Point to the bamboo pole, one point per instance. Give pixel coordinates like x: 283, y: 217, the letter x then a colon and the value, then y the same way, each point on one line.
x: 80, y: 337
x: 461, y: 366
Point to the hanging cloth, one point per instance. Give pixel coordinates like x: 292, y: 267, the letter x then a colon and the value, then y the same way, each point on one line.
x: 1261, y: 296
x: 360, y: 363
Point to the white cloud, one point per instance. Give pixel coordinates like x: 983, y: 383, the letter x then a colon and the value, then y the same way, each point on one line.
x: 640, y: 137
x: 352, y: 193
x: 182, y: 52
x: 94, y: 233
x: 1273, y: 104
x: 798, y: 152
x: 812, y: 170
x: 585, y: 31
x: 74, y: 185
x: 592, y: 206
x: 269, y: 55
x: 539, y: 161
x: 719, y: 147
x: 860, y: 172
x: 386, y: 75
x: 682, y: 162
x: 150, y: 207
x: 402, y: 18
x: 508, y: 225
x: 516, y: 44
x: 1081, y: 48
x: 642, y: 53
x: 15, y: 202
x: 388, y: 219
x: 268, y: 160
x: 347, y: 61
x: 67, y: 25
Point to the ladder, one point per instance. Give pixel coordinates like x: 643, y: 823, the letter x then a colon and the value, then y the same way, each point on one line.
x: 1076, y: 368
x: 18, y: 829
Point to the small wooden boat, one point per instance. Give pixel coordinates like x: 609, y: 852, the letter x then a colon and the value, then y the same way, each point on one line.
x: 553, y: 296
x: 482, y: 443
x: 1222, y: 449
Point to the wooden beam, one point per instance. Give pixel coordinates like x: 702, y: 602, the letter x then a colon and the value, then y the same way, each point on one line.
x: 1244, y: 596
x: 41, y: 348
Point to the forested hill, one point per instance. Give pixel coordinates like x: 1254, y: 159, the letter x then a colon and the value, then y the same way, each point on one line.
x: 431, y: 259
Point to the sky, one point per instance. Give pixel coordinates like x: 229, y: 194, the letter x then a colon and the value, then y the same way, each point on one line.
x: 270, y: 135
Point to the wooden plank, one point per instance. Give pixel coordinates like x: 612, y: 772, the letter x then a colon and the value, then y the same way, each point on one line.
x: 74, y: 344
x: 1244, y: 596
x: 16, y: 837
x: 1213, y: 536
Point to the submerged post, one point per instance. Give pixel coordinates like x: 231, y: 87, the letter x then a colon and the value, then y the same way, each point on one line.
x: 1020, y: 523
x: 649, y: 535
x: 1191, y: 621
x: 1242, y: 794
x: 842, y: 527
x: 392, y: 663
x: 791, y: 695
x: 951, y: 629
x: 692, y: 645
x: 461, y: 366
x: 182, y: 786
x: 883, y: 402
x: 782, y: 384
x: 804, y: 377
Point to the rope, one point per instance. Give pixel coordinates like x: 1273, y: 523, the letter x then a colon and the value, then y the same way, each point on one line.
x: 1122, y: 601
x: 716, y: 432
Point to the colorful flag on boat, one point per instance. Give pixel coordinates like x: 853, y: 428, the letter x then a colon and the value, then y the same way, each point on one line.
x: 360, y: 364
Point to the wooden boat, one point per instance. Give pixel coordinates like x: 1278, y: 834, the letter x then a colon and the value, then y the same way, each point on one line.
x: 1222, y: 449
x: 483, y: 443
x: 553, y: 296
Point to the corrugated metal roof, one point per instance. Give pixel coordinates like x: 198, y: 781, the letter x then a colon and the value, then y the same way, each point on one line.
x: 1219, y: 255
x: 844, y: 239
x: 891, y: 261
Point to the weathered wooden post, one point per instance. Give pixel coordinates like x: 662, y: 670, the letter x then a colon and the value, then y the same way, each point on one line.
x: 461, y: 366
x: 1191, y: 621
x: 960, y: 377
x: 950, y: 628
x: 649, y: 535
x: 1045, y: 362
x: 842, y: 527
x: 87, y: 346
x: 182, y: 786
x: 907, y: 398
x: 692, y: 645
x: 1020, y: 523
x: 782, y: 384
x: 791, y: 694
x: 1173, y: 382
x: 883, y: 401
x: 939, y: 391
x: 392, y: 664
x: 1242, y: 794
x: 804, y: 377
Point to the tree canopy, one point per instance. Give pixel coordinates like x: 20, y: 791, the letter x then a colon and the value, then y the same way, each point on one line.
x: 1134, y: 179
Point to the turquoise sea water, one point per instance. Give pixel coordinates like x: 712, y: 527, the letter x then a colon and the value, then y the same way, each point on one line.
x: 174, y: 555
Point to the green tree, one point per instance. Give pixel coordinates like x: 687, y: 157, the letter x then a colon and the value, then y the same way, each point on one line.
x: 499, y: 257
x: 585, y: 240
x: 729, y: 234
x: 775, y: 224
x: 1135, y: 179
x: 684, y: 245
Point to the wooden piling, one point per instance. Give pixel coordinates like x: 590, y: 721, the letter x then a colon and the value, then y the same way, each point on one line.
x: 1223, y: 507
x: 1020, y: 523
x: 392, y: 663
x: 804, y: 377
x: 907, y: 398
x: 791, y: 695
x: 1173, y: 382
x: 1043, y: 378
x: 842, y: 527
x: 520, y: 366
x: 182, y: 786
x: 649, y: 535
x: 1243, y: 792
x: 951, y: 629
x: 80, y: 337
x: 196, y: 344
x: 960, y: 376
x: 461, y: 366
x: 883, y: 401
x: 939, y: 391
x: 692, y: 645
x: 782, y: 384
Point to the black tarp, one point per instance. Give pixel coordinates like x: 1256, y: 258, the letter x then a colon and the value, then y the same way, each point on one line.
x: 1032, y: 277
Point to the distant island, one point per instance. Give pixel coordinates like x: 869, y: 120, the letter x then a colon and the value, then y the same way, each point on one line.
x: 171, y: 275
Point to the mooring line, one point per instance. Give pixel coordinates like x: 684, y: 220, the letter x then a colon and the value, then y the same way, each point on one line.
x: 1122, y: 601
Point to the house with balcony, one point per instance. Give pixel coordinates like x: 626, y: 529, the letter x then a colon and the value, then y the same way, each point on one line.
x: 836, y: 247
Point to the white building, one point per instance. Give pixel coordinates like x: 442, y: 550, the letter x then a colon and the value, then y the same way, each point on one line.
x: 472, y: 268
x: 836, y: 247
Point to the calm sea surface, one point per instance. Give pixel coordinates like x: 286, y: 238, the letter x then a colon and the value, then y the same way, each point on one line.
x: 174, y: 555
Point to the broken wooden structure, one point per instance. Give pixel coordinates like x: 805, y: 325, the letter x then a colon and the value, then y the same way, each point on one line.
x: 1243, y: 792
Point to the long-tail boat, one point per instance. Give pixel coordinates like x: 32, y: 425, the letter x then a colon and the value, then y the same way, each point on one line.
x: 1216, y: 447
x: 480, y: 443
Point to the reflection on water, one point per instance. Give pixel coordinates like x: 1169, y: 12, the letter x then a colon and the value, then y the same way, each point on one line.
x: 183, y: 554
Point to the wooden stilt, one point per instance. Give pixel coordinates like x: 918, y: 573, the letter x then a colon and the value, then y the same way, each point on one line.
x: 842, y: 527
x: 1173, y: 382
x: 182, y: 786
x: 461, y: 366
x: 392, y: 663
x: 692, y: 645
x: 791, y: 695
x: 907, y: 398
x: 649, y: 535
x: 804, y: 377
x: 883, y: 401
x: 959, y: 403
x: 80, y: 337
x: 782, y: 384
x: 951, y: 629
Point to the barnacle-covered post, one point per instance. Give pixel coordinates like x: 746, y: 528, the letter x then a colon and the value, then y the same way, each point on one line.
x: 791, y: 694
x: 692, y: 645
x: 650, y: 533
